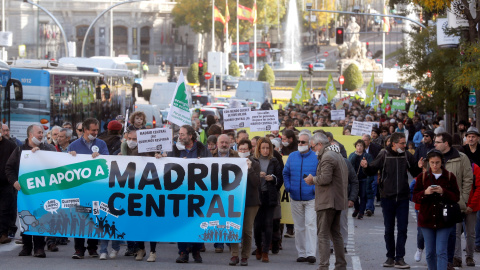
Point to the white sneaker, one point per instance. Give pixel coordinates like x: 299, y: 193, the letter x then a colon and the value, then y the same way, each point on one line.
x: 140, y: 254
x: 418, y: 255
x: 113, y: 254
x: 103, y: 256
x: 152, y: 257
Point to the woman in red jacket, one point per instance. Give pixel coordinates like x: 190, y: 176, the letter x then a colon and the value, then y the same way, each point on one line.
x: 433, y: 188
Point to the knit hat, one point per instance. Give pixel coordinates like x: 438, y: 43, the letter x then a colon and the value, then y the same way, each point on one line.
x: 430, y: 133
x: 114, y: 125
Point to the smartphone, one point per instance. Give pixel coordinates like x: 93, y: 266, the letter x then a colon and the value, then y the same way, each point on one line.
x: 434, y: 186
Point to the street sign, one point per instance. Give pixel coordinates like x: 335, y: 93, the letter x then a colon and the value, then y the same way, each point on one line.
x: 325, y: 54
x: 341, y: 79
x: 472, y: 100
x: 208, y: 76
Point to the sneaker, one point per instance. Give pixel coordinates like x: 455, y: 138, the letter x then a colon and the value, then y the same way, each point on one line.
x: 360, y: 216
x: 418, y: 255
x: 401, y: 264
x: 369, y: 213
x: 40, y: 253
x: 79, y: 254
x: 234, y: 260
x: 290, y: 233
x: 113, y: 254
x: 4, y: 239
x: 140, y: 254
x: 52, y: 248
x: 93, y: 253
x: 457, y: 262
x: 355, y: 213
x: 183, y: 258
x: 477, y: 248
x: 244, y: 262
x: 130, y: 252
x: 311, y: 259
x: 103, y: 256
x: 469, y: 261
x: 25, y: 252
x: 152, y: 257
x: 63, y: 242
x: 301, y: 259
x: 196, y: 257
x: 218, y: 250
x: 11, y: 235
x: 390, y: 262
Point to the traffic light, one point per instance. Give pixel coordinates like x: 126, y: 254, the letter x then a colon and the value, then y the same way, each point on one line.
x: 339, y: 35
x: 310, y: 69
x: 200, y: 69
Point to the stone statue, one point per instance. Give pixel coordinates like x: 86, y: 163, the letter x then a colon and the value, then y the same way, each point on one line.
x: 352, y: 30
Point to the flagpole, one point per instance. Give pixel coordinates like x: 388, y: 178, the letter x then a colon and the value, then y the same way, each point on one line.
x: 238, y: 44
x: 226, y: 49
x: 255, y: 40
x: 213, y: 25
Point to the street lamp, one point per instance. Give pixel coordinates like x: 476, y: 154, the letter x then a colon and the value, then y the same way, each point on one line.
x: 56, y: 21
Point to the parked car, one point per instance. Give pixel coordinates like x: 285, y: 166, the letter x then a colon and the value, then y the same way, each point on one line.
x: 318, y: 66
x: 229, y: 82
x: 305, y: 64
x: 201, y: 99
x: 395, y: 89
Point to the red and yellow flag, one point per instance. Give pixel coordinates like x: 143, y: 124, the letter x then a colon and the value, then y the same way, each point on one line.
x: 253, y: 17
x: 386, y: 21
x: 227, y: 14
x: 244, y: 13
x: 217, y: 16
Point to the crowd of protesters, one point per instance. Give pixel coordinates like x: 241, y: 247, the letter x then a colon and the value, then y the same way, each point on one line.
x: 322, y: 180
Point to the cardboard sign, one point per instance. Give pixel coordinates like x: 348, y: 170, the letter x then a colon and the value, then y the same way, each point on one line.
x: 337, y: 115
x: 236, y: 118
x: 263, y: 120
x: 154, y: 140
x: 360, y: 128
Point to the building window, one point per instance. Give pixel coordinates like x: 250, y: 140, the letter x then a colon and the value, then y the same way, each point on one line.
x: 145, y: 44
x: 89, y: 45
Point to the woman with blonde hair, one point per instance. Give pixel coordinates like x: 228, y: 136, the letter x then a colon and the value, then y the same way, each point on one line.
x: 271, y: 179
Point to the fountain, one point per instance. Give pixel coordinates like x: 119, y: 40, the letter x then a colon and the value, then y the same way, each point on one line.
x: 291, y: 49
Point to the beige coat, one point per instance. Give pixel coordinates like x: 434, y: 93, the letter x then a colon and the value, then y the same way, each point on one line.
x: 331, y: 182
x: 462, y: 169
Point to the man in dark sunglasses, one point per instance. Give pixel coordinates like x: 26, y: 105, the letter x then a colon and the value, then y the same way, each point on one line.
x: 79, y: 130
x: 425, y: 146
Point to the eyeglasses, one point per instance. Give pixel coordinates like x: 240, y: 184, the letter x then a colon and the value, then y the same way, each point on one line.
x: 437, y: 142
x: 79, y: 129
x: 302, y: 142
x: 426, y: 136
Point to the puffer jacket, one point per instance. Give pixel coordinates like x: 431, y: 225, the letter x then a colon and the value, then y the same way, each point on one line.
x: 297, y: 165
x: 393, y: 166
x: 459, y: 164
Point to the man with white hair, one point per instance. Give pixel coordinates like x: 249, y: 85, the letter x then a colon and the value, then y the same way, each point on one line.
x: 300, y: 163
x: 55, y: 130
x: 34, y: 142
x: 63, y: 140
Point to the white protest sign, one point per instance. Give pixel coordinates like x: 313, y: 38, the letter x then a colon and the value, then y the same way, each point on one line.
x: 236, y: 118
x: 263, y: 120
x: 154, y: 140
x: 337, y: 115
x: 360, y: 128
x: 126, y: 122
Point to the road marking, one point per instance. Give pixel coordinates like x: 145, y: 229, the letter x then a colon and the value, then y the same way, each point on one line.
x: 356, y: 265
x: 9, y: 247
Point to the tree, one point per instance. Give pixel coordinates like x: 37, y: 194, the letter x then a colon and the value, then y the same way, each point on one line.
x: 192, y: 74
x: 233, y: 69
x: 267, y: 75
x: 353, y: 77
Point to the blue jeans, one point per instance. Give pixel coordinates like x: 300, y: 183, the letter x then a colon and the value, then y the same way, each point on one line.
x: 371, y: 202
x: 436, y: 242
x: 452, y: 239
x: 420, y: 239
x: 477, y: 230
x: 392, y: 209
x: 104, y: 245
x: 361, y: 201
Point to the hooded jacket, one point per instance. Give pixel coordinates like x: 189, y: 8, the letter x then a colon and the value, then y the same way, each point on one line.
x: 393, y: 167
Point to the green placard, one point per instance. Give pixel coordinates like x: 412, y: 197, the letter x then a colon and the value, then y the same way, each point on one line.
x: 398, y: 104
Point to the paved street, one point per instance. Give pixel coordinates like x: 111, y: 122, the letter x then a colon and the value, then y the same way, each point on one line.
x: 366, y: 250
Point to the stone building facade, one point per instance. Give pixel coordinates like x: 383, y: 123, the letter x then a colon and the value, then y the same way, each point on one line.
x: 142, y: 30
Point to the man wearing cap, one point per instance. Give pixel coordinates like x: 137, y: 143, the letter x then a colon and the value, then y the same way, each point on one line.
x: 425, y: 146
x: 471, y: 149
x: 113, y: 137
x: 88, y: 144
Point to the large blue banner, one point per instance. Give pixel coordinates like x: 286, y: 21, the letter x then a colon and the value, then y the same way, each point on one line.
x: 132, y: 198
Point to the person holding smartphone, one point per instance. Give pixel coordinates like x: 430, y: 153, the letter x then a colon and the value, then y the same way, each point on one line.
x: 432, y: 189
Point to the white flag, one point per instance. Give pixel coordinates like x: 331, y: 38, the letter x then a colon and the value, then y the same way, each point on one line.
x: 179, y: 113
